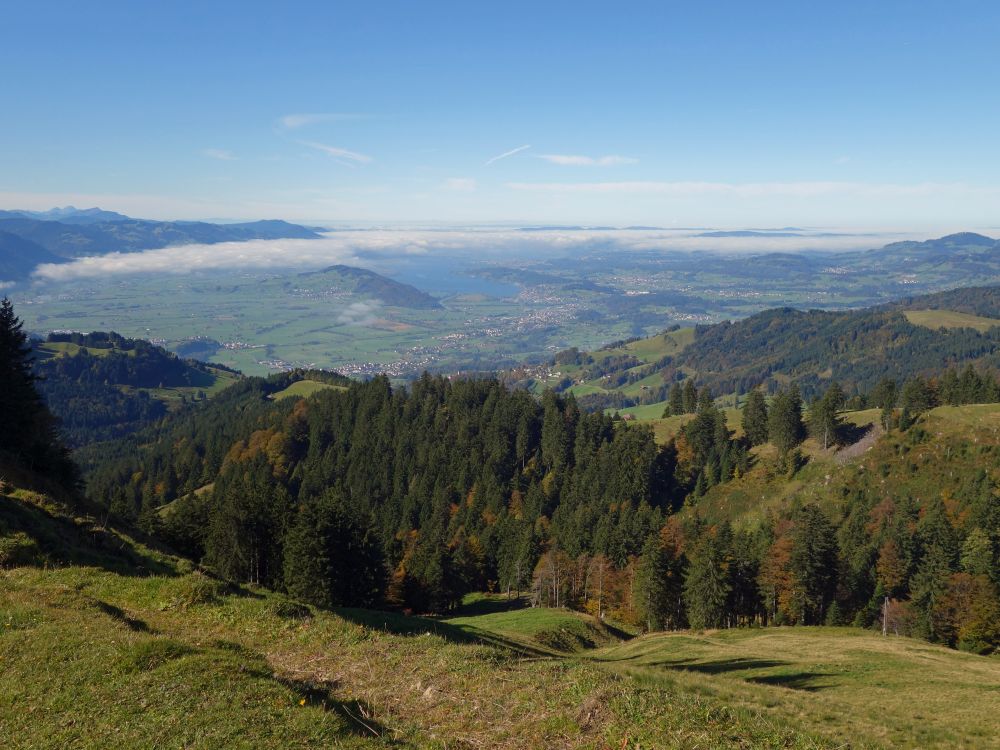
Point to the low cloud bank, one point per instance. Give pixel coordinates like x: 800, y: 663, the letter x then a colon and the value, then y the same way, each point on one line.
x: 362, y: 247
x: 359, y: 314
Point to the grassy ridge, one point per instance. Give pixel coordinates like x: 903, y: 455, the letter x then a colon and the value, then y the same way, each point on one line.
x: 950, y: 319
x: 304, y: 389
x: 129, y: 647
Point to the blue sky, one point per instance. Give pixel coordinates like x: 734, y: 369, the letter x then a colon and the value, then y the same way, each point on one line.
x: 675, y: 114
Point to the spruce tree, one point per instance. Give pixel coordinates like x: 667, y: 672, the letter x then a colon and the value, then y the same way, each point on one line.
x: 813, y: 564
x: 824, y: 415
x: 652, y: 600
x: 706, y: 585
x: 754, y: 418
x: 676, y: 400
x: 690, y: 397
x: 27, y: 428
x: 785, y: 427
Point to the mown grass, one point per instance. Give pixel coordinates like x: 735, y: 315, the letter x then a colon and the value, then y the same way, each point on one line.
x: 114, y: 653
x: 851, y: 685
x: 95, y: 659
x: 304, y: 389
x: 950, y: 319
x: 535, y: 628
x: 51, y: 349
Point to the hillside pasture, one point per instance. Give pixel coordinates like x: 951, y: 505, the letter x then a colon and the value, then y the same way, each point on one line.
x: 936, y: 319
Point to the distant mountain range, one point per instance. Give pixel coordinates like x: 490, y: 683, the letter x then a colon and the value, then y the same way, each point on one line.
x: 28, y: 238
x: 68, y: 215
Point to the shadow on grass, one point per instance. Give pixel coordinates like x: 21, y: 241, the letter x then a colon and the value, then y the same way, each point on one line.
x: 357, y: 714
x: 490, y: 606
x: 805, y: 681
x: 63, y: 540
x: 398, y: 624
x: 119, y: 614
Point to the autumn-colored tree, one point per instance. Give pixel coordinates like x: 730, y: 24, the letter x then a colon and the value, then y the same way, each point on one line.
x: 777, y: 582
x: 968, y: 614
x: 891, y: 568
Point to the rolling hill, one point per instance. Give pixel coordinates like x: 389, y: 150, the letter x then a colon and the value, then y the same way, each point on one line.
x: 915, y: 336
x: 367, y: 283
x: 102, y: 385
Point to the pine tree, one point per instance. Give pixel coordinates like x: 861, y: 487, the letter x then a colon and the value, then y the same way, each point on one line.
x: 27, y: 428
x: 785, y: 427
x: 824, y: 416
x: 690, y: 397
x: 706, y: 585
x: 813, y: 563
x: 917, y: 396
x: 754, y: 418
x: 651, y: 593
x: 676, y: 400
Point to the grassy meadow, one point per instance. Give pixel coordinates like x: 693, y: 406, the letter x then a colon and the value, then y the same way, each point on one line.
x: 950, y: 319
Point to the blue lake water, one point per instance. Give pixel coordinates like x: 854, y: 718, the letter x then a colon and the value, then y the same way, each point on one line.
x: 438, y: 277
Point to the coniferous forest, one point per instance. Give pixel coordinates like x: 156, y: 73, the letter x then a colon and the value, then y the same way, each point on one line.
x: 366, y: 494
x: 413, y: 497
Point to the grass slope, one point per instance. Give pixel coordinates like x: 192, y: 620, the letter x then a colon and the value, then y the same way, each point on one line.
x: 544, y: 629
x: 936, y: 319
x: 851, y: 685
x: 304, y: 389
x: 120, y: 645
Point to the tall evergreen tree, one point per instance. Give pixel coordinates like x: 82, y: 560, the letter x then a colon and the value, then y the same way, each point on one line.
x: 27, y: 428
x: 813, y: 564
x: 676, y: 400
x: 785, y: 427
x: 690, y: 396
x: 824, y: 415
x: 754, y: 417
x: 331, y: 558
x: 706, y: 585
x: 652, y: 595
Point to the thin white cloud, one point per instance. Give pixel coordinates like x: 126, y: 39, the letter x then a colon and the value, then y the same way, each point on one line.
x: 505, y: 154
x: 756, y: 189
x: 300, y: 120
x: 460, y: 184
x: 6, y: 284
x: 359, y: 314
x: 338, y: 153
x: 219, y: 153
x: 572, y: 160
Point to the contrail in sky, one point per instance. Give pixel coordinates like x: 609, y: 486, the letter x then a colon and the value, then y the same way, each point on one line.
x: 513, y: 151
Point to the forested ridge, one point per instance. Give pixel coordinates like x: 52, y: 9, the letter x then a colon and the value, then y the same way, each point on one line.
x: 381, y: 496
x: 855, y: 348
x: 452, y: 486
x: 101, y: 390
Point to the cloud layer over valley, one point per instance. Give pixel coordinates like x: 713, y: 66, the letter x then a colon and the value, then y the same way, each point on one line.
x: 369, y: 247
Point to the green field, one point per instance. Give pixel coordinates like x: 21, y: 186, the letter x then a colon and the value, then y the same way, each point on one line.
x: 853, y: 686
x: 127, y: 647
x: 262, y: 322
x: 304, y: 389
x: 551, y: 630
x: 950, y: 319
x: 51, y: 349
